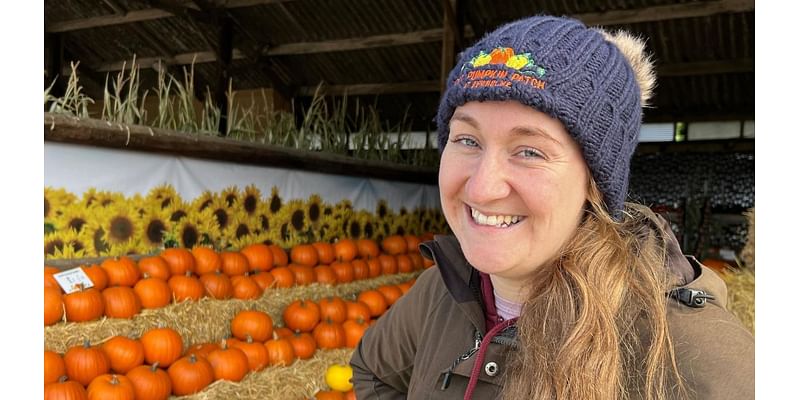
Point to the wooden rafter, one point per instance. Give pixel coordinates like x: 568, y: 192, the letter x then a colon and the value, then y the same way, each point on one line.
x: 147, y: 14
x: 372, y: 88
x: 666, y: 12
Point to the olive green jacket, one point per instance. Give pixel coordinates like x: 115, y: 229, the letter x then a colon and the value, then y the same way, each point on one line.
x: 432, y: 329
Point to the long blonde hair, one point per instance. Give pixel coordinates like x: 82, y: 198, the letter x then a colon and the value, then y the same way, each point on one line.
x: 594, y: 325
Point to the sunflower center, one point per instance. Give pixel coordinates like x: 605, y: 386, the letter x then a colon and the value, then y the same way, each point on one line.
x: 166, y: 202
x: 155, y: 231
x: 400, y: 230
x: 313, y: 212
x: 382, y: 210
x: 355, y: 229
x: 77, y: 245
x: 205, y: 204
x: 177, y: 215
x: 230, y: 199
x: 298, y: 220
x: 100, y: 245
x: 76, y: 223
x: 242, y: 230
x: 264, y: 223
x: 46, y: 207
x: 106, y: 202
x: 51, y: 247
x: 285, y: 231
x: 275, y: 204
x: 328, y: 211
x: 222, y: 217
x: 121, y: 229
x: 189, y: 236
x: 250, y: 203
x: 368, y: 229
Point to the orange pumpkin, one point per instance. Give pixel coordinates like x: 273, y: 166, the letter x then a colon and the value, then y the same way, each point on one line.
x: 360, y: 269
x: 162, y: 346
x: 375, y: 269
x: 280, y: 351
x: 54, y: 367
x: 350, y: 395
x: 84, y: 363
x: 245, y: 288
x: 234, y: 263
x: 282, y: 332
x: 344, y: 271
x: 391, y: 293
x: 303, y: 345
x: 329, y: 335
x: 325, y: 252
x: 150, y: 382
x: 124, y: 354
x: 121, y: 271
x: 97, y: 275
x: 263, y: 279
x: 284, y: 278
x: 367, y: 248
x: 329, y: 395
x: 252, y: 323
x: 412, y: 243
x: 179, y: 260
x: 190, y: 374
x: 49, y: 280
x: 257, y: 354
x: 83, y: 305
x: 394, y: 245
x: 357, y: 309
x: 333, y: 308
x: 720, y: 266
x: 259, y: 257
x: 121, y: 302
x: 388, y: 264
x: 346, y: 250
x: 375, y: 301
x: 155, y: 266
x: 404, y: 263
x: 301, y: 315
x: 304, y: 254
x: 303, y: 274
x: 185, y: 287
x: 206, y: 260
x: 417, y: 261
x: 279, y: 256
x: 109, y: 386
x: 217, y: 285
x: 153, y: 292
x: 405, y: 286
x: 324, y: 274
x: 64, y: 390
x: 228, y: 363
x: 201, y: 349
x: 353, y: 331
x: 53, y: 306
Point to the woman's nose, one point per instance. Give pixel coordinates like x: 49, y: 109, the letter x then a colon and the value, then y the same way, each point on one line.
x: 488, y: 181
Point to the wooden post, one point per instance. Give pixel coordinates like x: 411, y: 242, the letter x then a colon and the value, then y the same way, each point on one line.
x: 448, y: 42
x: 55, y: 62
x: 224, y: 62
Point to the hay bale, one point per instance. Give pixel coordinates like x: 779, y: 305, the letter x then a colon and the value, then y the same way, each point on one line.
x: 748, y: 254
x: 742, y: 295
x: 301, y: 380
x: 206, y: 320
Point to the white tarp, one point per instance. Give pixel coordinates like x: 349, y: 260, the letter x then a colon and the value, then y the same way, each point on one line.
x: 76, y: 168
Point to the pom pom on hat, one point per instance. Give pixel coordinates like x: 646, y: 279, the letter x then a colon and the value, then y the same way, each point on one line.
x: 594, y: 82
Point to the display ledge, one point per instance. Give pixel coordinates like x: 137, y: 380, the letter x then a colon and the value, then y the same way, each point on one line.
x: 93, y: 132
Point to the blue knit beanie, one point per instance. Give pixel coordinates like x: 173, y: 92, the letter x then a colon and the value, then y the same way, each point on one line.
x: 568, y: 71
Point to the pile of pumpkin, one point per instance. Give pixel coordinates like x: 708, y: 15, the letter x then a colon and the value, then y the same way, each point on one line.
x: 122, y: 287
x: 155, y: 365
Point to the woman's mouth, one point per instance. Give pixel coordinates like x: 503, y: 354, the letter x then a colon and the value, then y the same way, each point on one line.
x: 496, y: 221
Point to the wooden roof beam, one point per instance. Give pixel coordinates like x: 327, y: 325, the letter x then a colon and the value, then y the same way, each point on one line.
x: 372, y: 88
x: 666, y: 12
x: 147, y: 14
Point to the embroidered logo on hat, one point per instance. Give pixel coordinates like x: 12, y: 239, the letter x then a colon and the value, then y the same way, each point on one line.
x: 527, y: 72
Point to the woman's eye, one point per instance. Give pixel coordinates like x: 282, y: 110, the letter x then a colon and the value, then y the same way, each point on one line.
x: 466, y: 141
x: 530, y: 153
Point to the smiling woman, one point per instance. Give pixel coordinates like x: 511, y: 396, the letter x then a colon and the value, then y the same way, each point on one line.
x: 552, y: 286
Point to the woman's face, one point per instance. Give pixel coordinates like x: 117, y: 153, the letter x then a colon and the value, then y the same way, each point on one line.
x: 513, y: 184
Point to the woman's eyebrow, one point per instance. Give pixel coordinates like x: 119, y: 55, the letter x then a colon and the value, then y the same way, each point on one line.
x: 460, y: 116
x: 524, y: 130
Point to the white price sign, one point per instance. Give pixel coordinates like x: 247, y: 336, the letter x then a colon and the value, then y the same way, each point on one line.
x: 72, y: 280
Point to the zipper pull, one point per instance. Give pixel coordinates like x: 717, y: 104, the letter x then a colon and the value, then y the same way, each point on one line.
x: 446, y: 381
x: 469, y: 353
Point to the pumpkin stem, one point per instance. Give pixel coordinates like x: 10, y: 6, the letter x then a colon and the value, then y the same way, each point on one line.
x: 114, y: 380
x: 145, y: 275
x: 154, y: 367
x: 63, y: 378
x: 249, y: 339
x: 188, y: 273
x: 86, y: 344
x: 224, y: 344
x: 192, y: 358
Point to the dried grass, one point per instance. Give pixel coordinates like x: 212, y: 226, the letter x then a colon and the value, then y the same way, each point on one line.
x: 206, y: 320
x: 742, y: 295
x: 748, y: 254
x: 301, y: 380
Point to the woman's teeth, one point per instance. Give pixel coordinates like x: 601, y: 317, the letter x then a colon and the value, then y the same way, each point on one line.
x: 497, y: 221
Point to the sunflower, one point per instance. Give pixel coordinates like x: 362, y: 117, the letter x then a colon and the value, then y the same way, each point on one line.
x: 399, y: 226
x: 163, y: 196
x: 94, y: 234
x: 275, y: 201
x: 238, y: 227
x: 138, y: 204
x: 155, y: 223
x: 55, y: 200
x: 74, y: 216
x: 121, y: 225
x: 314, y: 208
x: 382, y: 210
x: 49, y: 226
x: 231, y: 196
x: 124, y: 249
x: 220, y: 214
x: 251, y: 199
x: 198, y: 228
x: 178, y: 210
x: 64, y: 245
x: 200, y: 203
x: 261, y: 219
x: 294, y: 224
x: 365, y: 221
x: 53, y: 242
x: 94, y: 198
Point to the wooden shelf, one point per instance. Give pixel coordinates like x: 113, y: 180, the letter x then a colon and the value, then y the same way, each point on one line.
x: 92, y: 132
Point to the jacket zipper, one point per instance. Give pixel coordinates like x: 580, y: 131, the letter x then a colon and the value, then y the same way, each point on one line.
x: 469, y: 353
